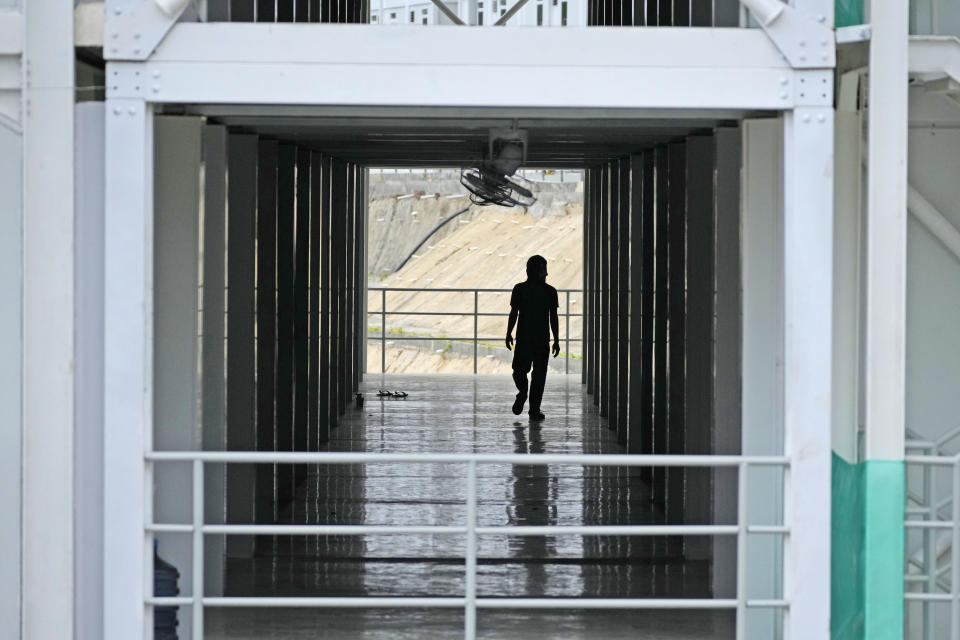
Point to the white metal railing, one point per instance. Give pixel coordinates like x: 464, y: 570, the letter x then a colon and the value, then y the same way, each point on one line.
x: 931, y: 577
x: 476, y: 314
x: 929, y: 513
x: 470, y: 601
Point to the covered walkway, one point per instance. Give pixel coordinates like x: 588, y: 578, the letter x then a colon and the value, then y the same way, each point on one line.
x: 469, y: 414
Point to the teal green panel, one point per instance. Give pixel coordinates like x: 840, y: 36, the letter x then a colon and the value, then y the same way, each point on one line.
x: 884, y: 502
x: 848, y: 12
x: 846, y: 551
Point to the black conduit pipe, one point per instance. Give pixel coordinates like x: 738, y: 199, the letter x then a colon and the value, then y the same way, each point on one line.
x: 432, y: 231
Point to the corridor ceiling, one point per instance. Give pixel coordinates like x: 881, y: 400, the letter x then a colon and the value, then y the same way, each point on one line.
x: 457, y: 137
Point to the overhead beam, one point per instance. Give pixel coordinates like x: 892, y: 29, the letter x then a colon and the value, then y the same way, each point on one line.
x: 735, y: 69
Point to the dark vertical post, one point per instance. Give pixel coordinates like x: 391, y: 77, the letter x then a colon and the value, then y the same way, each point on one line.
x: 681, y: 13
x: 348, y: 288
x: 727, y: 391
x: 604, y: 240
x: 284, y: 10
x: 647, y: 321
x: 266, y: 325
x: 636, y: 438
x: 286, y: 191
x: 265, y: 11
x: 314, y: 414
x: 325, y: 409
x: 664, y: 12
x: 677, y: 305
x: 338, y: 213
x: 301, y: 311
x: 240, y: 11
x: 241, y: 355
x: 626, y: 286
x: 611, y: 390
x: 586, y: 332
x: 598, y: 175
x: 699, y: 338
x: 360, y: 279
x: 661, y: 231
x: 701, y: 13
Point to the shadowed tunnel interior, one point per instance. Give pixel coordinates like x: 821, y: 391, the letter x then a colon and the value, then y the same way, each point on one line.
x: 283, y: 353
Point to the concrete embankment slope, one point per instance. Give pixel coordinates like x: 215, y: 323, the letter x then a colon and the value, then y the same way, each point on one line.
x: 405, y: 207
x: 489, y: 252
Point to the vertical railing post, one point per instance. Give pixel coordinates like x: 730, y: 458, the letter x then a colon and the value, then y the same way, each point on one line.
x: 476, y: 311
x: 198, y: 559
x: 566, y: 363
x: 470, y: 591
x: 383, y: 330
x: 929, y: 554
x: 954, y: 554
x: 741, y: 551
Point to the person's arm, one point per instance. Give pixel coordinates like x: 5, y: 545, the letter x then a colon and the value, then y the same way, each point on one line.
x: 511, y: 323
x: 555, y: 327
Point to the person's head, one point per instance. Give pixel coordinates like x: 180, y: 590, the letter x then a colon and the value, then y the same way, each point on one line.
x: 537, y: 268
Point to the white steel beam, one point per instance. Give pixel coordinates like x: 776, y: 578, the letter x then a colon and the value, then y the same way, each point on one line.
x: 886, y: 237
x: 128, y: 364
x: 48, y: 322
x: 807, y: 387
x: 282, y: 64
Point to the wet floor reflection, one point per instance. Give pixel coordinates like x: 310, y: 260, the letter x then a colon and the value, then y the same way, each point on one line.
x: 469, y: 414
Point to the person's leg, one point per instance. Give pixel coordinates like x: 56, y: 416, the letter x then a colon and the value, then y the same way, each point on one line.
x: 539, y: 377
x: 521, y: 365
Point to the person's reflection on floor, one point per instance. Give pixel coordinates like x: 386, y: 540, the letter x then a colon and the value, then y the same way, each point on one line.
x: 532, y: 508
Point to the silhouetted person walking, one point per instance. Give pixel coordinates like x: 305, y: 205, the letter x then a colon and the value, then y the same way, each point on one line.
x: 535, y: 303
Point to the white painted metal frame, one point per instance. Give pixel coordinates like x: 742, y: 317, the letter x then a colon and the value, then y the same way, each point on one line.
x: 470, y: 601
x: 128, y: 368
x: 929, y: 524
x: 475, y: 339
x: 713, y: 68
x: 283, y: 64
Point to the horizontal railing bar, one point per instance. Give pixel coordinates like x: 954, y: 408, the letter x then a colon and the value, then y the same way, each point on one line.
x: 330, y: 529
x: 454, y: 313
x: 499, y: 530
x: 932, y: 597
x: 920, y: 577
x: 610, y: 530
x: 468, y: 339
x: 170, y: 528
x: 540, y: 459
x: 764, y: 528
x: 928, y: 524
x: 456, y: 289
x: 941, y: 461
x: 168, y: 601
x: 456, y: 602
x: 768, y: 604
x: 334, y: 602
x: 605, y: 603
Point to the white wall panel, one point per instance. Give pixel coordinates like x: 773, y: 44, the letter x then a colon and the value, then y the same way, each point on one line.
x: 11, y: 345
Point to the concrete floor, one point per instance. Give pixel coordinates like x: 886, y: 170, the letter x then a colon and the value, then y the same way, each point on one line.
x: 450, y: 413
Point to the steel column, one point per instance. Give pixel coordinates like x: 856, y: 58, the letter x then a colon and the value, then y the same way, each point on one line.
x: 636, y: 438
x: 301, y: 302
x: 807, y: 388
x: 241, y: 353
x: 285, y: 256
x: 661, y: 231
x: 128, y: 369
x: 265, y: 502
x: 623, y: 304
x: 677, y: 310
x: 317, y: 253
